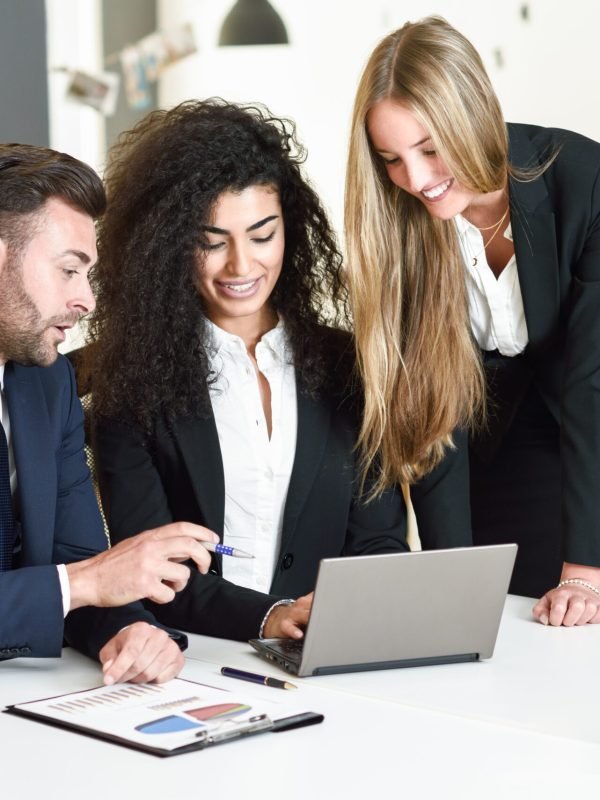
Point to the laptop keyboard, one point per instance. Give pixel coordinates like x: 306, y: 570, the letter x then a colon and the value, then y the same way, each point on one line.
x: 290, y: 648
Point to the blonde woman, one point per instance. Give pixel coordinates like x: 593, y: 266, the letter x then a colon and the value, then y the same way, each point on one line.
x: 474, y: 269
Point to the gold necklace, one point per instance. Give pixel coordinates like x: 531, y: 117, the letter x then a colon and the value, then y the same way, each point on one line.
x: 496, y: 226
x: 489, y: 227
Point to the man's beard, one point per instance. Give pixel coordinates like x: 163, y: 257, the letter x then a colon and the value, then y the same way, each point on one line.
x: 23, y: 332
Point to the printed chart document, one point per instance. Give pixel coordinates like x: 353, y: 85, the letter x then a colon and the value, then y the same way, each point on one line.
x: 164, y: 719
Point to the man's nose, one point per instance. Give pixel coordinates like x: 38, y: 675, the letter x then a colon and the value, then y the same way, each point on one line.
x: 83, y: 301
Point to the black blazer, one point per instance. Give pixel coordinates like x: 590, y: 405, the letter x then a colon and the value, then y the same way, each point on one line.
x: 177, y: 474
x: 556, y: 232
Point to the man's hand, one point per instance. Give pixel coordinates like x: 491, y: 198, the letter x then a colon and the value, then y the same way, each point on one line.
x: 144, y: 566
x: 140, y: 654
x: 572, y: 604
x: 289, y: 621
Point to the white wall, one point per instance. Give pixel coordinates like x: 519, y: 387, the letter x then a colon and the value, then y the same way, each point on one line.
x: 550, y: 74
x: 74, y: 40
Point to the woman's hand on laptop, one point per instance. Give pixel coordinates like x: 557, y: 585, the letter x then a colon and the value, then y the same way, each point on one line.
x: 288, y: 621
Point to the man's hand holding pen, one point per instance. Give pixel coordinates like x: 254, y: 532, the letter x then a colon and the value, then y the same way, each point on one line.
x: 289, y: 621
x: 286, y: 621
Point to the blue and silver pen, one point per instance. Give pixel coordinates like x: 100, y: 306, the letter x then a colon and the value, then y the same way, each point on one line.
x: 224, y: 550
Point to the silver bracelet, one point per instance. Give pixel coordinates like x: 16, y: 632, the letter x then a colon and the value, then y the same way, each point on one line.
x: 287, y: 602
x: 580, y: 582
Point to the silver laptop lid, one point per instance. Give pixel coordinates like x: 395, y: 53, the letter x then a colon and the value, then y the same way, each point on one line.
x: 431, y: 605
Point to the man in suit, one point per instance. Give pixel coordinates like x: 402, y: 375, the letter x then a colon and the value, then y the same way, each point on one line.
x: 56, y: 577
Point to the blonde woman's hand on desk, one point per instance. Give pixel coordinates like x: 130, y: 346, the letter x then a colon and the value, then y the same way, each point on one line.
x: 288, y: 620
x: 576, y: 599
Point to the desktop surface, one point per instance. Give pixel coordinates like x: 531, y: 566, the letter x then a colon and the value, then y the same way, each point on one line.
x: 515, y: 726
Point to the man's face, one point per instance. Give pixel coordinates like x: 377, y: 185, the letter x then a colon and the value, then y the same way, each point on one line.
x: 44, y: 289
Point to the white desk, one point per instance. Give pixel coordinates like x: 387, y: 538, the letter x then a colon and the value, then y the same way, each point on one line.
x: 523, y: 725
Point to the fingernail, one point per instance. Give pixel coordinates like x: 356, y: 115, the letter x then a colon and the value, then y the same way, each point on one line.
x: 107, y: 664
x: 544, y: 619
x: 108, y: 680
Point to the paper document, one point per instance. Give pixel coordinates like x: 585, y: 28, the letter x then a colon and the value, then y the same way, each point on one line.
x: 163, y: 719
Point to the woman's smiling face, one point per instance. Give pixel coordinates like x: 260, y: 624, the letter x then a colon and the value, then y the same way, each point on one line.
x: 242, y: 257
x: 411, y: 161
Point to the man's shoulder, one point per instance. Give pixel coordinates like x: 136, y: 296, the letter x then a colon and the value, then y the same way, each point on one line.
x: 56, y: 374
x: 52, y: 382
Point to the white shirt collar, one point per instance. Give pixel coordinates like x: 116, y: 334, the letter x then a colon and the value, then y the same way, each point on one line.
x: 465, y: 227
x: 276, y: 340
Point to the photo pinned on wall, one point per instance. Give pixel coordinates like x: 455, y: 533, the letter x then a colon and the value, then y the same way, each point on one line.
x: 135, y: 82
x: 100, y: 91
x: 144, y: 62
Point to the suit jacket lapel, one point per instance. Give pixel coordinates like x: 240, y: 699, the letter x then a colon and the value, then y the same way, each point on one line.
x: 35, y: 461
x: 533, y: 229
x: 198, y: 442
x: 314, y: 421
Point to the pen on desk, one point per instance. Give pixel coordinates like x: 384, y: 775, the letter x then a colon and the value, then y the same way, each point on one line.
x: 224, y: 550
x: 229, y: 672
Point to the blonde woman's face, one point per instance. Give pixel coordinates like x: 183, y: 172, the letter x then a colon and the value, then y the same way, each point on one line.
x: 411, y: 161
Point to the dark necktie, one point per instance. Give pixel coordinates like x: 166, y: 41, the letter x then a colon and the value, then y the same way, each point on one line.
x: 7, y: 517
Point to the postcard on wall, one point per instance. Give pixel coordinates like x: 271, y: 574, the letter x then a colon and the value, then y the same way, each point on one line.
x: 99, y: 91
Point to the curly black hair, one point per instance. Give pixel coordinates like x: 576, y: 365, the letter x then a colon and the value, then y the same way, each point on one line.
x: 164, y: 177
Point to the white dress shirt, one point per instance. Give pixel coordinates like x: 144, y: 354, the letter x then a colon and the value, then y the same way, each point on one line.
x: 257, y: 468
x: 5, y: 420
x: 495, y: 303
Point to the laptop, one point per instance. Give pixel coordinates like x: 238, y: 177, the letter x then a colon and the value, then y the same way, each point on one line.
x: 400, y: 610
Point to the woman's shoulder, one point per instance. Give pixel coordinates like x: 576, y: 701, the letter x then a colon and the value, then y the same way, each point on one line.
x: 342, y: 386
x: 338, y: 350
x: 532, y: 145
x: 335, y: 340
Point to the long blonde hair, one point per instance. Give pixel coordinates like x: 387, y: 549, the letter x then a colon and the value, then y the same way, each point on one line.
x: 419, y: 364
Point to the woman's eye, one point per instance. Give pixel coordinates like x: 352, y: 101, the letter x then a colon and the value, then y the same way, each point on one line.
x: 264, y: 239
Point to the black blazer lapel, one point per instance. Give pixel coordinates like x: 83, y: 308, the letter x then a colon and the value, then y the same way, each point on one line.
x: 314, y: 421
x: 533, y: 230
x: 198, y: 442
x: 35, y: 459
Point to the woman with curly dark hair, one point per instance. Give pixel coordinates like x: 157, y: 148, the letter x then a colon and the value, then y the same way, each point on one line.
x: 222, y: 394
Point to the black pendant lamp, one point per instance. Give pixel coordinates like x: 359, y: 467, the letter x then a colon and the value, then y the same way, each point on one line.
x: 253, y: 22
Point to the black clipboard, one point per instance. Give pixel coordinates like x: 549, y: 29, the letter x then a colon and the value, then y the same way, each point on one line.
x: 227, y: 731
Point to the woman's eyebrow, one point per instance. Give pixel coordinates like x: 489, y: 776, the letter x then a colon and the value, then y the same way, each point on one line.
x: 253, y: 227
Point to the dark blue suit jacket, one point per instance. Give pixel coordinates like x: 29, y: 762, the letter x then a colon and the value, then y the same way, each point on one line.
x: 60, y: 521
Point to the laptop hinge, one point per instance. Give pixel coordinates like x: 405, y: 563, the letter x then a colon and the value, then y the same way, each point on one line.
x: 406, y: 662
